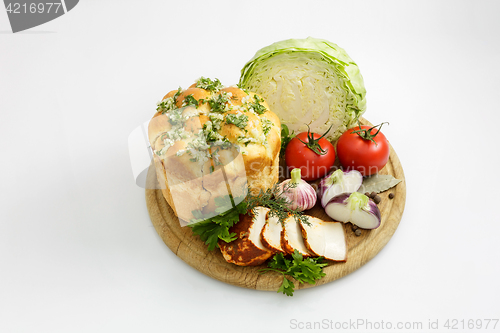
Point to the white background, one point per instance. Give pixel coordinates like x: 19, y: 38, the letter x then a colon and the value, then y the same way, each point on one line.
x: 78, y: 252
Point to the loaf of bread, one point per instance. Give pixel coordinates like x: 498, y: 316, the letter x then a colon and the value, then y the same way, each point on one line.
x: 211, y: 144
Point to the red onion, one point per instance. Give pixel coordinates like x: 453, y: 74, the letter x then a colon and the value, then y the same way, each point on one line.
x: 356, y: 208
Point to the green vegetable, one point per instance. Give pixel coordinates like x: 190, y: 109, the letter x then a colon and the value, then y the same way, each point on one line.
x: 301, y: 269
x: 308, y: 81
x: 357, y: 201
x: 210, y: 131
x: 175, y: 117
x: 286, y: 137
x: 256, y: 106
x: 240, y: 121
x: 217, y: 227
x: 218, y: 103
x: 208, y: 84
x: 190, y: 100
x: 266, y: 125
x: 177, y: 94
x: 278, y: 203
x: 166, y: 105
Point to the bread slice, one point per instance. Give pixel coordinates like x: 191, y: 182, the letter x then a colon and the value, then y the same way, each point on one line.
x: 326, y: 239
x: 271, y: 234
x: 291, y: 238
x: 247, y: 249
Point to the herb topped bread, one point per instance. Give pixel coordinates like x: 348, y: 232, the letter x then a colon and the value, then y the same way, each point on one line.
x: 212, y: 143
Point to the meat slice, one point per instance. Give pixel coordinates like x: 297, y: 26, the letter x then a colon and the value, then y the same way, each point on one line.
x: 291, y: 237
x: 326, y: 239
x: 271, y: 234
x: 247, y: 249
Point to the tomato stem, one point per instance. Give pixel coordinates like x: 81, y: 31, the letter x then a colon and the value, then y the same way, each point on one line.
x: 366, y: 134
x: 313, y: 143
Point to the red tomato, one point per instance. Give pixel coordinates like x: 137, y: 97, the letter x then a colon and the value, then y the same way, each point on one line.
x: 364, y: 155
x: 313, y: 165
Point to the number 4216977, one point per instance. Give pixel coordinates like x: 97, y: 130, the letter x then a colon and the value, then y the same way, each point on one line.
x: 455, y: 324
x: 48, y: 7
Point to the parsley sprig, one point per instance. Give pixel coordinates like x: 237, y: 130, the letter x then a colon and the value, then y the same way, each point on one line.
x: 301, y: 269
x: 190, y: 100
x: 286, y: 137
x: 168, y: 104
x: 218, y: 103
x: 217, y: 227
x: 256, y: 106
x: 240, y: 121
x: 208, y: 84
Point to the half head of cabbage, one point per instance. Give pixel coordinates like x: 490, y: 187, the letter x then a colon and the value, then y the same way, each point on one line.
x: 308, y: 82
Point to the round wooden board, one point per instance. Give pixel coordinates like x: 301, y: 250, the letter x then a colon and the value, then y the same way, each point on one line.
x: 361, y: 249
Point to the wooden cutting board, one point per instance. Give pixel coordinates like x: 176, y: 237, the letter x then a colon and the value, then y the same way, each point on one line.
x: 361, y: 249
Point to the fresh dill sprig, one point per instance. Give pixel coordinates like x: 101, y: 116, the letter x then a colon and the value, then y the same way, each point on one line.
x: 278, y: 204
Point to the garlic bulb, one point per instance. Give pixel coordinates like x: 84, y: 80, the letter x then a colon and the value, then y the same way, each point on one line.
x: 299, y: 193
